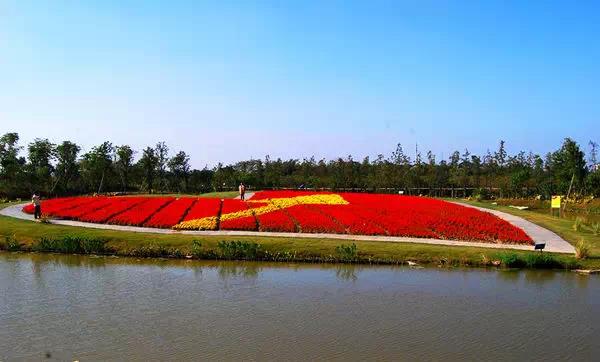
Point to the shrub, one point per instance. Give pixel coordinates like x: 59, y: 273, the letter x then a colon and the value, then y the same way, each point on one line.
x: 156, y: 251
x: 596, y: 228
x: 238, y: 250
x: 10, y: 243
x: 582, y: 249
x: 197, y: 248
x: 481, y: 194
x: 73, y: 244
x: 537, y: 260
x: 578, y: 224
x: 281, y: 255
x: 541, y: 261
x: 511, y: 260
x: 347, y: 252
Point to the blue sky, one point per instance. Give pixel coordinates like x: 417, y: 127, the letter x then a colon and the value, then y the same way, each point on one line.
x: 233, y: 80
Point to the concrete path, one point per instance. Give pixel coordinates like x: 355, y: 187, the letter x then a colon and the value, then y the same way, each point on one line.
x: 554, y: 243
x: 540, y: 235
x: 248, y: 196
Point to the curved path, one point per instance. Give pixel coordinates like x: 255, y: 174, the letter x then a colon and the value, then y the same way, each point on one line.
x: 554, y: 243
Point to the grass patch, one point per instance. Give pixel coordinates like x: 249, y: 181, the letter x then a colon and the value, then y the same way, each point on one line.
x: 535, y: 260
x: 73, y: 244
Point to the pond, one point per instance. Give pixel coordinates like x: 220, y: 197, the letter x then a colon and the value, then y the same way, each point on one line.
x: 105, y: 308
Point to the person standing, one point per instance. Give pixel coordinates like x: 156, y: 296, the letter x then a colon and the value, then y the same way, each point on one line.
x: 242, y: 191
x: 37, y: 206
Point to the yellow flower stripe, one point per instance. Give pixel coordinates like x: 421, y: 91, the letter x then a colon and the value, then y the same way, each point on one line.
x: 210, y: 223
x: 206, y: 223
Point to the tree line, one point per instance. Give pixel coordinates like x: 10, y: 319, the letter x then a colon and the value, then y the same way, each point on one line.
x: 62, y: 169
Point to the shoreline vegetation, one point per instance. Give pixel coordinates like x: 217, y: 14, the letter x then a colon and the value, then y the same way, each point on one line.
x: 25, y: 236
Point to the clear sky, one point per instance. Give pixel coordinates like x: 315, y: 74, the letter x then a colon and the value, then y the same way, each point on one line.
x: 233, y: 80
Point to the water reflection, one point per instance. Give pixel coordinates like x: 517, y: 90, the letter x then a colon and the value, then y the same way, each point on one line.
x: 229, y: 270
x: 347, y: 272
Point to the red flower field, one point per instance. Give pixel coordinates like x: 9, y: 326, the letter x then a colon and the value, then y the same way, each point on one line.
x: 295, y: 211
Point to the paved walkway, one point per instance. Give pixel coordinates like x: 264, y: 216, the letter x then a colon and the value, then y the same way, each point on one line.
x: 553, y: 242
x: 248, y: 195
x: 540, y: 235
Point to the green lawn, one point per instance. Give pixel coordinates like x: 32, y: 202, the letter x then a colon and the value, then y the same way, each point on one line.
x: 124, y: 243
x: 562, y: 227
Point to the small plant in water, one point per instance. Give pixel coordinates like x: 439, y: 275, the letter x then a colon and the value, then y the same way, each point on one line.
x: 347, y: 252
x: 578, y: 224
x: 582, y: 249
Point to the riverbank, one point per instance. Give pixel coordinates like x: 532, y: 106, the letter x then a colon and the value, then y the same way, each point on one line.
x: 21, y: 235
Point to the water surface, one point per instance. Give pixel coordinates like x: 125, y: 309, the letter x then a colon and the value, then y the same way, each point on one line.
x: 106, y: 308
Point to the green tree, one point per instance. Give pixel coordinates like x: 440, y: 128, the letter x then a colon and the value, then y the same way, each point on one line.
x: 568, y: 163
x: 67, y: 169
x: 11, y: 166
x: 148, y: 164
x: 41, y: 153
x: 179, y: 166
x: 161, y: 152
x: 124, y: 164
x: 96, y: 166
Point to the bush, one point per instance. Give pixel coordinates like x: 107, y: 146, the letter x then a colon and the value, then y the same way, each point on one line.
x: 582, y: 249
x: 197, y: 248
x: 481, y: 194
x: 511, y: 260
x: 238, y: 250
x: 10, y: 243
x: 541, y: 261
x: 536, y: 260
x: 347, y: 252
x: 578, y: 224
x: 73, y: 245
x: 596, y: 228
x: 156, y: 251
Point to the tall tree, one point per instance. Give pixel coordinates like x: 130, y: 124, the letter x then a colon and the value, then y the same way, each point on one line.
x: 179, y: 166
x: 67, y: 170
x: 148, y: 164
x: 41, y: 153
x: 11, y: 166
x: 568, y: 163
x: 97, y: 166
x: 162, y: 159
x: 124, y: 164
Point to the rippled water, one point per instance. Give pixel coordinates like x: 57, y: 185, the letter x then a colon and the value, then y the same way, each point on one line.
x: 86, y: 308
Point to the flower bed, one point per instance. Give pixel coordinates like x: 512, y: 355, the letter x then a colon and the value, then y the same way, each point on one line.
x: 290, y: 211
x: 171, y: 214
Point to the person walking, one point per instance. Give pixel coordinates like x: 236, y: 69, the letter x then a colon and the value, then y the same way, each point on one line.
x: 37, y: 206
x: 242, y: 189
